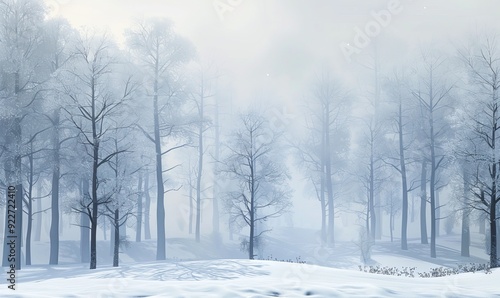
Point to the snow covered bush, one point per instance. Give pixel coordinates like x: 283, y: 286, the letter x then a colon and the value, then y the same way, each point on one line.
x: 434, y: 272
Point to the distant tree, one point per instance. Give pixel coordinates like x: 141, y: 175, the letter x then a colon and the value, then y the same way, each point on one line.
x: 199, y: 95
x: 161, y: 52
x: 253, y: 163
x: 399, y: 96
x: 329, y: 108
x: 432, y: 95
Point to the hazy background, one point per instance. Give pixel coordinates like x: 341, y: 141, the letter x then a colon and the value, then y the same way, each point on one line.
x: 272, y: 49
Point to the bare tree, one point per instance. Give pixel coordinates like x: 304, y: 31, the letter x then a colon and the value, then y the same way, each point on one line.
x: 260, y: 177
x: 22, y: 78
x: 403, y: 130
x: 482, y: 62
x: 94, y: 104
x: 330, y: 107
x: 160, y: 52
x: 432, y: 96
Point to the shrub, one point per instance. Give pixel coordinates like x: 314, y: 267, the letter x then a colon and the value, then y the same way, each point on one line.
x: 434, y: 272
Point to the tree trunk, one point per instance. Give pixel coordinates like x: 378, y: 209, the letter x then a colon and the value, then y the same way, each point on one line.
x: 423, y: 203
x: 38, y: 224
x: 147, y: 208
x: 323, y: 212
x: 391, y: 224
x: 116, y: 250
x: 12, y: 169
x: 465, y: 243
x: 138, y: 231
x: 30, y: 207
x: 252, y: 207
x: 464, y: 250
x: 54, y: 207
x: 160, y: 203
x: 93, y: 222
x: 404, y: 183
x: 84, y: 225
x: 438, y: 215
x: 200, y: 165
x: 371, y: 198
x: 328, y: 177
x: 191, y: 213
x: 493, y: 234
x: 215, y: 203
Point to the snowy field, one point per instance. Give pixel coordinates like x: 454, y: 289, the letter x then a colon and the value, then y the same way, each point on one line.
x: 196, y: 271
x: 242, y: 278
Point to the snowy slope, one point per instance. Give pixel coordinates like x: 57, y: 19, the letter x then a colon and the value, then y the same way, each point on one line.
x: 205, y: 270
x: 241, y: 278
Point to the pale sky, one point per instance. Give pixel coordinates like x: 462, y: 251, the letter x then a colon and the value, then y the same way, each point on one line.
x: 271, y: 49
x: 287, y: 39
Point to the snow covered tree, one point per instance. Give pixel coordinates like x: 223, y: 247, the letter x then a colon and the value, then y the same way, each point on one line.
x: 398, y: 93
x: 95, y: 102
x: 253, y: 163
x: 160, y: 53
x: 482, y: 63
x: 432, y: 95
x: 22, y: 75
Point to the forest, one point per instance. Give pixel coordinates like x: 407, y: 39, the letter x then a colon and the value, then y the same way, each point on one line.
x: 142, y: 139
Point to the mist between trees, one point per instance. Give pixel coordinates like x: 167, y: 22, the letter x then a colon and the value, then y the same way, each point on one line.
x: 103, y: 137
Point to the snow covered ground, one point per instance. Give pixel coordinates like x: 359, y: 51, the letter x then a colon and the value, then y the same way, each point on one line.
x: 241, y: 278
x: 196, y: 271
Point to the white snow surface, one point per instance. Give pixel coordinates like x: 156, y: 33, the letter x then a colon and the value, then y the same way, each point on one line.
x: 234, y: 278
x: 205, y: 270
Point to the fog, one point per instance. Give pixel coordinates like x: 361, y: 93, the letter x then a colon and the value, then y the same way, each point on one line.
x: 345, y: 131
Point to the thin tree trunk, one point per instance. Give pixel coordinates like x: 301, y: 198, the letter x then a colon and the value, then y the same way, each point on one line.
x: 30, y: 207
x: 438, y: 215
x: 38, y: 223
x: 112, y: 236
x: 54, y: 207
x: 191, y: 209
x: 391, y: 224
x: 116, y: 250
x: 84, y: 225
x: 328, y: 174
x: 423, y: 203
x: 252, y: 207
x: 200, y: 171
x: 215, y: 206
x: 160, y: 199
x: 465, y: 243
x: 138, y: 232
x: 371, y: 201
x: 147, y: 208
x: 323, y: 212
x: 12, y: 169
x: 404, y: 183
